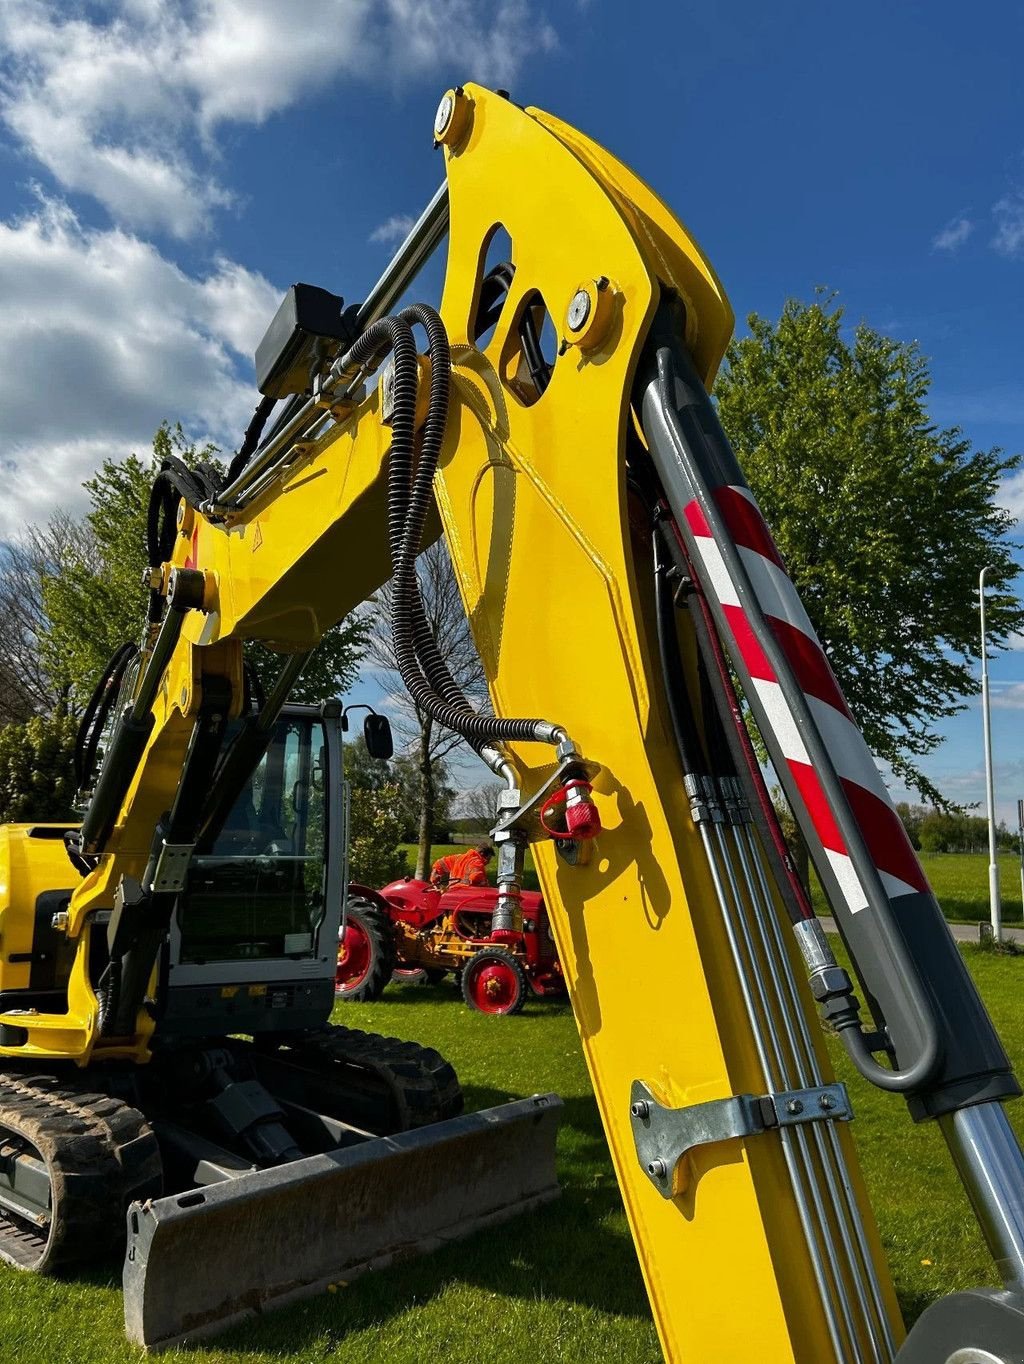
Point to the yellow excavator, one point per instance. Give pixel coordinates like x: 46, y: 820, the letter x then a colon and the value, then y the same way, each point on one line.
x: 166, y: 968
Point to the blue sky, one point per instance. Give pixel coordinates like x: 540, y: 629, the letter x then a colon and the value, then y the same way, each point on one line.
x: 166, y: 170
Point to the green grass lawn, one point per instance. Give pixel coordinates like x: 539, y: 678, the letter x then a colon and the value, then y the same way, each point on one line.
x: 960, y: 883
x: 562, y: 1285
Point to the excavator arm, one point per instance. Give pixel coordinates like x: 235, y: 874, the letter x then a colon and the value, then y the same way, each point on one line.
x: 619, y: 581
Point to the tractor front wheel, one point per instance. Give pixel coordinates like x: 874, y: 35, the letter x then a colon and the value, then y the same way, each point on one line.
x: 494, y: 982
x: 366, y: 954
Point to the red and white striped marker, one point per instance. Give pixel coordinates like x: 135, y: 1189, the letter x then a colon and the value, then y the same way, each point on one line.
x: 883, y: 832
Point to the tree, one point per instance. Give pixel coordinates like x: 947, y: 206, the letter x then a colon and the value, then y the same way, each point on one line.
x: 884, y: 519
x: 27, y: 685
x: 375, y: 832
x: 402, y: 776
x: 95, y: 600
x: 36, y: 781
x: 479, y: 808
x: 430, y: 744
x: 912, y: 817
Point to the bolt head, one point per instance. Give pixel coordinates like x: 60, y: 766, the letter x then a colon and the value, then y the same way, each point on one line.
x: 579, y: 310
x: 826, y: 1101
x: 794, y: 1106
x: 444, y: 113
x: 640, y: 1109
x: 658, y: 1169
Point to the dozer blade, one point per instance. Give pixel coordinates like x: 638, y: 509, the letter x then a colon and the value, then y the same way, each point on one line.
x: 200, y: 1261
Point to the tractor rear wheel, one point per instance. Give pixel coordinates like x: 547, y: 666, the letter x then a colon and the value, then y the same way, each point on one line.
x: 494, y: 982
x: 366, y: 953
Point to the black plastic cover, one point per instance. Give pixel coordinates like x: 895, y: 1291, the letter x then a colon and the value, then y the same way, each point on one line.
x: 310, y: 324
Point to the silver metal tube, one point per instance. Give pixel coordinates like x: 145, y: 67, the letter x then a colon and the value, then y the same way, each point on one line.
x: 989, y: 1161
x: 407, y: 262
x: 994, y: 906
x: 260, y: 463
x: 778, y: 1076
x: 154, y: 666
x: 823, y: 1136
x: 768, y: 1067
x: 421, y: 243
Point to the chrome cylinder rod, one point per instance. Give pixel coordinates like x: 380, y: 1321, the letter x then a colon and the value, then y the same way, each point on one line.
x: 990, y: 1163
x: 424, y: 237
x: 423, y: 240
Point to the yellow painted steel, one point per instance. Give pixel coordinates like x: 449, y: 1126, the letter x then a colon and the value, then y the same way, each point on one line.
x: 534, y: 504
x: 533, y: 499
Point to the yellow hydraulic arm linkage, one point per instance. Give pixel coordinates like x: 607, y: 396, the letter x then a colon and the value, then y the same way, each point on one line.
x: 618, y: 577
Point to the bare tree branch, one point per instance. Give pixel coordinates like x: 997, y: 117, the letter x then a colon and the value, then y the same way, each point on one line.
x: 446, y: 617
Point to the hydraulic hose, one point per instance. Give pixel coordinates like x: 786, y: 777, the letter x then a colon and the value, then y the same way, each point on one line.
x: 94, y: 718
x: 410, y: 489
x: 174, y: 481
x: 251, y: 439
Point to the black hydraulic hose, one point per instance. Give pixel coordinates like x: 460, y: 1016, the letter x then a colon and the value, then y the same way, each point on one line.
x: 432, y: 661
x: 94, y: 718
x: 251, y: 439
x: 174, y: 481
x: 409, y: 496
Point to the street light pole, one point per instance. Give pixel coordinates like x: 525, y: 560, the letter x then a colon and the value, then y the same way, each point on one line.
x: 993, y: 865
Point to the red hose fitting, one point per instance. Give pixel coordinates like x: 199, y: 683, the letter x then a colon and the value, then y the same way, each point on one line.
x: 508, y: 935
x: 579, y: 812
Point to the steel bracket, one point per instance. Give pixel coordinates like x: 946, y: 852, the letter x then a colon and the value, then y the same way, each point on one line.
x: 665, y: 1136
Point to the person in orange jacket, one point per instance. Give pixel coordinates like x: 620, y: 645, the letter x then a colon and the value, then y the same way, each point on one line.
x: 463, y: 869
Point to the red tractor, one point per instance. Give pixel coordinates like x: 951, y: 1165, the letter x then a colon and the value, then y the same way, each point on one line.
x: 410, y: 929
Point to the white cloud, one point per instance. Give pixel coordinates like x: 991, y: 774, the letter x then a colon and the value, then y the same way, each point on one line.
x: 101, y: 338
x: 1011, y: 494
x: 126, y: 107
x: 393, y: 229
x: 1009, y: 216
x: 953, y: 235
x: 1009, y: 696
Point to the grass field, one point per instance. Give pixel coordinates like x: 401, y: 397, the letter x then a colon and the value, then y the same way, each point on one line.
x: 563, y: 1285
x: 960, y: 881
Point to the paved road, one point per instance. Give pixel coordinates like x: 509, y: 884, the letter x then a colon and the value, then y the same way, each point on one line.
x: 961, y: 932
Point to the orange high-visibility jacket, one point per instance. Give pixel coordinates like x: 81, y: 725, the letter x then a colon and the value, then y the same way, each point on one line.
x: 460, y: 869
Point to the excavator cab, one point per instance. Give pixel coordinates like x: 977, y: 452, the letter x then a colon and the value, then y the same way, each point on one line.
x: 258, y: 918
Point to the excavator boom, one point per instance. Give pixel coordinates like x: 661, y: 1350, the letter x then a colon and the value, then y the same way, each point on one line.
x: 620, y: 582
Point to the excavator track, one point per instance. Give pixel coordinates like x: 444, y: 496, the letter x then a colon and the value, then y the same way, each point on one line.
x: 95, y: 1153
x: 420, y: 1086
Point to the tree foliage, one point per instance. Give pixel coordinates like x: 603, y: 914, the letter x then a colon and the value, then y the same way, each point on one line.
x: 36, y: 781
x: 884, y: 519
x: 29, y: 683
x: 375, y: 833
x: 402, y: 776
x: 94, y: 599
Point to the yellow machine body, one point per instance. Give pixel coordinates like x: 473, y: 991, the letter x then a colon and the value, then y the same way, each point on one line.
x: 533, y: 499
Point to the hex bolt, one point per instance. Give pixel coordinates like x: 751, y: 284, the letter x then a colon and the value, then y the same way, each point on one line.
x: 794, y: 1106
x: 640, y: 1109
x: 657, y: 1169
x: 579, y: 310
x: 826, y: 1101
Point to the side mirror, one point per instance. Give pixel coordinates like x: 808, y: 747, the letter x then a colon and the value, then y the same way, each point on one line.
x: 377, y: 736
